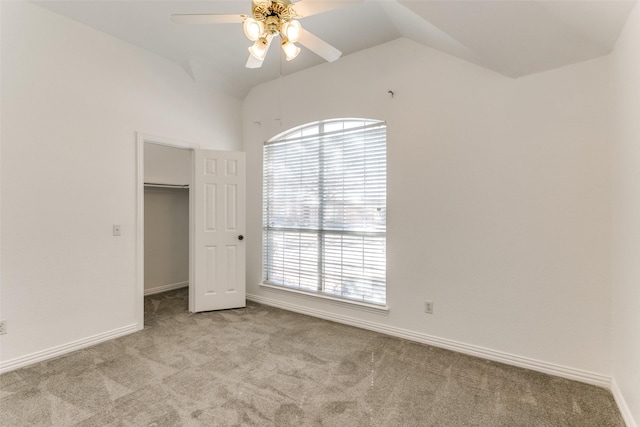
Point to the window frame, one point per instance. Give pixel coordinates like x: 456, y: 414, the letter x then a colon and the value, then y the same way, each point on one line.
x: 320, y: 231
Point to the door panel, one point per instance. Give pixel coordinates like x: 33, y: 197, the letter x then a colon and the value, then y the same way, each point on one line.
x: 218, y: 218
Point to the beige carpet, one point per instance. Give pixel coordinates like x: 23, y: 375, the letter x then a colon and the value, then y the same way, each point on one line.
x: 265, y: 366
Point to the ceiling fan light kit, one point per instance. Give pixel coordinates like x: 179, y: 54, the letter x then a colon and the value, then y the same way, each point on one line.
x: 260, y: 47
x: 252, y: 29
x: 269, y: 19
x: 290, y: 49
x: 273, y: 18
x: 292, y: 30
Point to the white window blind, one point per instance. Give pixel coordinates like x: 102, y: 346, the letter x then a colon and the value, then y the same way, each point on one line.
x: 324, y: 209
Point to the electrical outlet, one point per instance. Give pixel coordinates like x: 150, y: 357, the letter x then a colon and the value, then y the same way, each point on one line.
x: 3, y: 327
x: 428, y: 307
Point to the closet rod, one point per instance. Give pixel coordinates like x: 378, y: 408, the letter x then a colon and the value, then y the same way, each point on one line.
x: 153, y: 184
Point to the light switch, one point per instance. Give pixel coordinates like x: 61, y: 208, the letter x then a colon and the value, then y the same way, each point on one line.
x: 116, y: 230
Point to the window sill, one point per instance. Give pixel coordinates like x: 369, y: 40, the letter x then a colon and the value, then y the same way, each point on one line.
x: 378, y: 309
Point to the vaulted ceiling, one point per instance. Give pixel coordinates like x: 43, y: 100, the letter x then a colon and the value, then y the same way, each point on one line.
x: 515, y: 38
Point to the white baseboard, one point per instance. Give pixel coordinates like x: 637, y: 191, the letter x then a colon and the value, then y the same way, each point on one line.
x: 469, y: 349
x: 622, y: 404
x: 165, y: 288
x: 60, y: 350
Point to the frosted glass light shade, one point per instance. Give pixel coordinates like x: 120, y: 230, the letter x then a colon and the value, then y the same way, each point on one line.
x: 292, y: 30
x: 290, y: 50
x: 252, y: 29
x: 259, y: 48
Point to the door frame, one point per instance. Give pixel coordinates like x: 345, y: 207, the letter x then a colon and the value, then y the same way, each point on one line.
x: 141, y: 139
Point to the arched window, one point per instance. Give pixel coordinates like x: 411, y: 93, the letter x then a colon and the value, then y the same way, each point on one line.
x: 324, y: 209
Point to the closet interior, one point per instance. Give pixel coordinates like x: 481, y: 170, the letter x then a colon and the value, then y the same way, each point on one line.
x: 167, y: 174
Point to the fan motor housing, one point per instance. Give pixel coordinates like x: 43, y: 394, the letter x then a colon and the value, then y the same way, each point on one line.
x: 274, y: 11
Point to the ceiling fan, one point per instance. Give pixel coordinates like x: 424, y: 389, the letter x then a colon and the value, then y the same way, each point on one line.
x: 273, y: 18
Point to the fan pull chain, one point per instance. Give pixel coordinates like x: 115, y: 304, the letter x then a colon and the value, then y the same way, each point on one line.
x: 279, y: 118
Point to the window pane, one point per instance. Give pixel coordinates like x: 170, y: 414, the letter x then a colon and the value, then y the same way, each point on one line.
x: 292, y: 259
x: 354, y: 267
x: 324, y: 209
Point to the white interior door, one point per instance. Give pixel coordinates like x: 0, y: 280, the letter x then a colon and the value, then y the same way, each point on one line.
x: 217, y: 197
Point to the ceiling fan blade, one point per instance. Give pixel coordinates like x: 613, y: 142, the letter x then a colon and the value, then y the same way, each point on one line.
x: 313, y: 7
x: 208, y: 19
x: 253, y: 62
x: 319, y: 46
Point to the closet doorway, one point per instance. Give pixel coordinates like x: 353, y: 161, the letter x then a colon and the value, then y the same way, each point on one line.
x: 167, y: 175
x: 213, y: 183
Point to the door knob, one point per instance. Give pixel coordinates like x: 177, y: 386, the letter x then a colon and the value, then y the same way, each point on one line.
x: 241, y: 237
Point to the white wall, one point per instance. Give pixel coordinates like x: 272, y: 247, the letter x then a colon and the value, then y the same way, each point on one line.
x: 166, y: 165
x: 498, y: 198
x: 73, y: 99
x: 625, y: 142
x: 166, y: 239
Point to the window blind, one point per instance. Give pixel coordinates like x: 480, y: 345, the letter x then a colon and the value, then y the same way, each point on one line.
x: 324, y: 209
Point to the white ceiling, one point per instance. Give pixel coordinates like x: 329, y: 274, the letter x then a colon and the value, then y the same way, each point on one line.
x: 512, y: 37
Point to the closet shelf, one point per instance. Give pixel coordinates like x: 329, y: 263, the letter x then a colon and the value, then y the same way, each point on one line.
x: 158, y: 185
